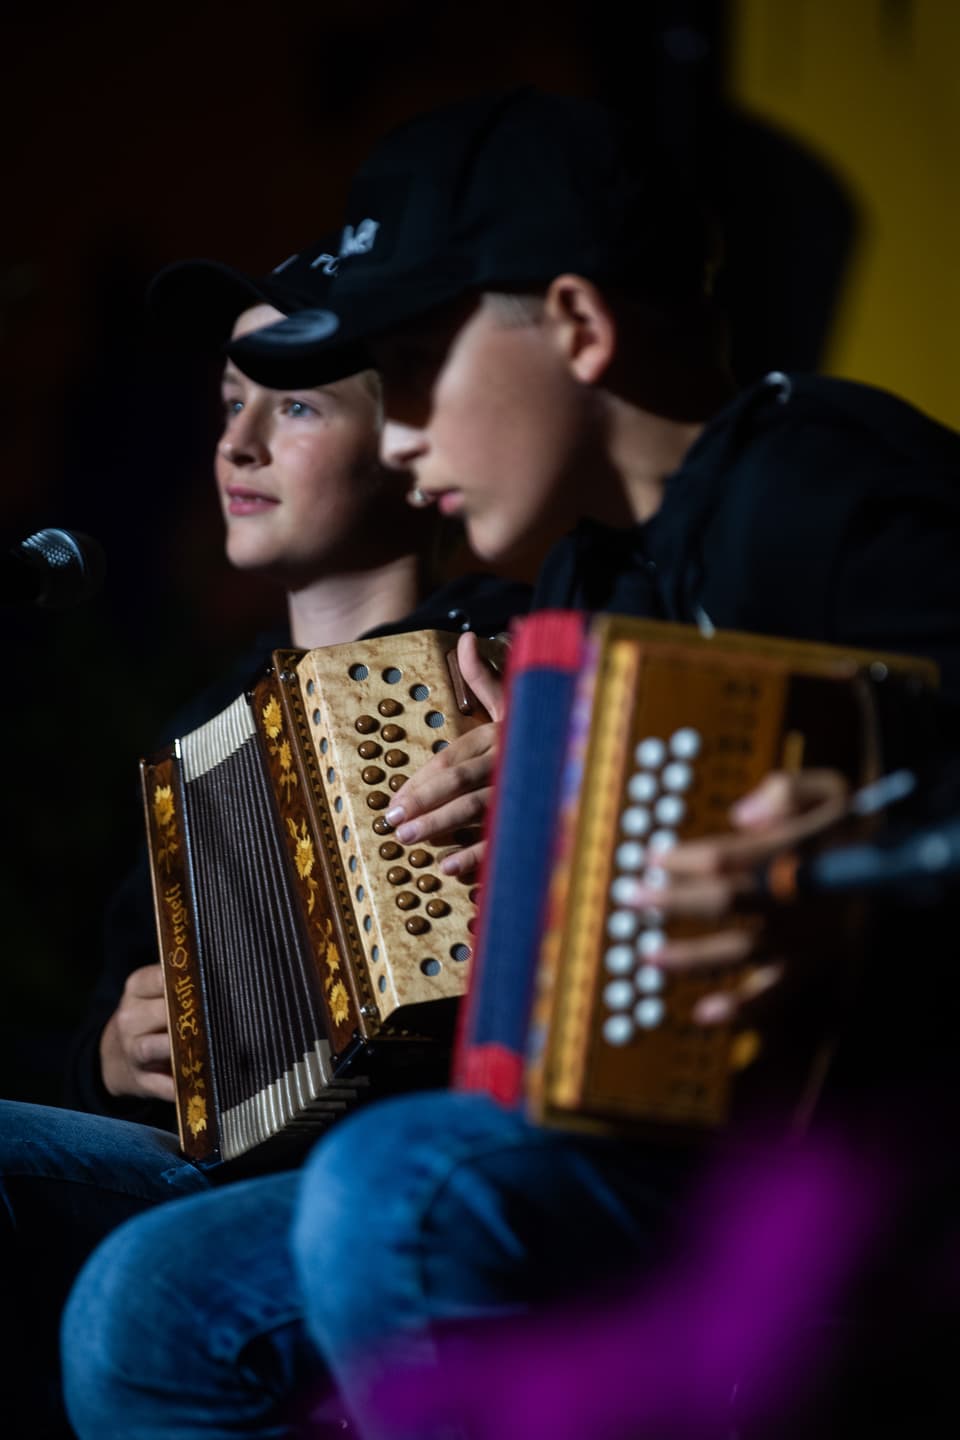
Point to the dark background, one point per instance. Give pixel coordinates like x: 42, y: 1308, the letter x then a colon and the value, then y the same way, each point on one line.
x: 136, y: 136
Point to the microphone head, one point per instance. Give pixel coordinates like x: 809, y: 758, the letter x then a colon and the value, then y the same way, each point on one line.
x: 69, y: 567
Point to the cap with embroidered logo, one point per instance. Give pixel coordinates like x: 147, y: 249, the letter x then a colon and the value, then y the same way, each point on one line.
x: 193, y: 304
x: 508, y: 190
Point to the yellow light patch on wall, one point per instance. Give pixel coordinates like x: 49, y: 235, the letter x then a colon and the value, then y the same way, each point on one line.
x: 872, y: 87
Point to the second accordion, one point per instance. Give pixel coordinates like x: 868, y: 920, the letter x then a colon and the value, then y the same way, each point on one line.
x: 307, y: 955
x: 622, y: 737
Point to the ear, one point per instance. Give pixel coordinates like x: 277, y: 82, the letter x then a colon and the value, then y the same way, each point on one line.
x: 583, y: 325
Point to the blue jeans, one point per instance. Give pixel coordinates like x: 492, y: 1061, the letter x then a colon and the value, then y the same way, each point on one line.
x: 196, y: 1320
x: 66, y: 1180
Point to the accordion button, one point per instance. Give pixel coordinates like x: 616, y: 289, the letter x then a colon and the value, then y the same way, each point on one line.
x: 382, y: 826
x: 677, y: 776
x: 378, y: 799
x: 419, y: 858
x: 618, y: 995
x: 406, y: 900
x: 426, y: 883
x: 631, y: 855
x: 649, y: 1012
x: 651, y: 752
x: 396, y: 782
x: 372, y: 774
x: 636, y: 821
x: 366, y: 724
x: 397, y: 875
x: 670, y: 810
x: 393, y: 758
x: 416, y: 925
x: 618, y: 1030
x: 390, y: 850
x: 623, y: 924
x: 368, y: 750
x: 650, y: 942
x: 436, y: 908
x: 685, y: 744
x: 642, y: 787
x: 619, y: 960
x: 393, y: 733
x: 390, y: 707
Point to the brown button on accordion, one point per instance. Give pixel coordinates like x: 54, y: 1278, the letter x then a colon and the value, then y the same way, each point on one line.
x: 623, y: 736
x: 307, y: 955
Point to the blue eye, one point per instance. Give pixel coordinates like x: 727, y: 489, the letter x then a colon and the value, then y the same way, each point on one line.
x: 299, y: 408
x: 232, y: 407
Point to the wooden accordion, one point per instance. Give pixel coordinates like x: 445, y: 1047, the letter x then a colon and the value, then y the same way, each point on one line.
x: 307, y: 955
x: 623, y: 736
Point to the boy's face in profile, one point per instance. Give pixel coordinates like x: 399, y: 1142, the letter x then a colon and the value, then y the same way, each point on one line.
x: 483, y: 412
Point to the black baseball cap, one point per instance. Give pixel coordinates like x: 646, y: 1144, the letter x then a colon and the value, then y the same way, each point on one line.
x: 503, y: 191
x: 193, y: 304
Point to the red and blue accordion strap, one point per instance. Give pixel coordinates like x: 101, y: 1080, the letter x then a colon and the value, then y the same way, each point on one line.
x: 545, y: 662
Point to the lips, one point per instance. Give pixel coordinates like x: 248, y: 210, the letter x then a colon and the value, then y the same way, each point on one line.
x: 448, y: 502
x: 241, y: 501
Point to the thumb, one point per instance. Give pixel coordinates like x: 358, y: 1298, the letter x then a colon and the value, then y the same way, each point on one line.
x: 487, y: 686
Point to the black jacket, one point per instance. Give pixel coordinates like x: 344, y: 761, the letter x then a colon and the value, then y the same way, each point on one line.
x: 478, y: 602
x: 812, y: 508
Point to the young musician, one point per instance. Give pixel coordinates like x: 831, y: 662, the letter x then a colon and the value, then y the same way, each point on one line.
x: 305, y: 501
x: 551, y: 374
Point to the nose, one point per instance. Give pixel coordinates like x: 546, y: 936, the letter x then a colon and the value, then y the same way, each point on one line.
x: 401, y: 445
x: 242, y: 442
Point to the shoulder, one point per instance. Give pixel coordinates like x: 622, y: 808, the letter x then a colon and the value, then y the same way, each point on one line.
x: 811, y: 426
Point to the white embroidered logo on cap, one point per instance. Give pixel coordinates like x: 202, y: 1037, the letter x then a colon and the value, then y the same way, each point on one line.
x: 357, y: 241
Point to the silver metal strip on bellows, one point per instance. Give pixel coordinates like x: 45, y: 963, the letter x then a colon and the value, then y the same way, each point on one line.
x: 217, y: 740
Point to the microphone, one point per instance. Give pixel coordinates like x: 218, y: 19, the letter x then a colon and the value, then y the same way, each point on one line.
x: 52, y: 569
x: 930, y: 853
x: 918, y: 863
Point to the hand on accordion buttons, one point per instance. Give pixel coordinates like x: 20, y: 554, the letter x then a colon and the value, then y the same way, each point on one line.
x: 135, y: 1045
x: 716, y: 877
x: 451, y: 792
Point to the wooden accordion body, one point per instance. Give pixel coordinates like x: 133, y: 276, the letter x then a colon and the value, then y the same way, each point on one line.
x: 307, y: 955
x: 622, y: 737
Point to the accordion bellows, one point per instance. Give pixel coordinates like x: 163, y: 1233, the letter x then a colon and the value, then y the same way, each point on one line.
x: 305, y: 950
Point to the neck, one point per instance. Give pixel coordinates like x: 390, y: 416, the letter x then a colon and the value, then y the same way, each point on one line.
x: 646, y: 449
x: 624, y: 482
x: 338, y: 608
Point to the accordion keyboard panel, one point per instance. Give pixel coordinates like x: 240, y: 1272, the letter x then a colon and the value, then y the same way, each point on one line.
x: 376, y: 713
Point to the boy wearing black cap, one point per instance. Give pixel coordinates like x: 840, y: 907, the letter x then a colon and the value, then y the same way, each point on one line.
x: 550, y: 361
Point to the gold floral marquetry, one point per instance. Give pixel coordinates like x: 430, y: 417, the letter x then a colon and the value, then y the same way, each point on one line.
x: 304, y: 859
x: 288, y: 776
x: 272, y: 718
x: 333, y: 954
x: 165, y: 815
x: 339, y: 1003
x: 192, y: 1069
x: 196, y: 1114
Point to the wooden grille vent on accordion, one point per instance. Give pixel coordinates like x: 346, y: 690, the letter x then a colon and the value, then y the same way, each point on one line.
x: 623, y: 736
x: 294, y: 930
